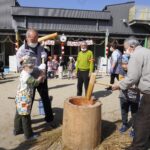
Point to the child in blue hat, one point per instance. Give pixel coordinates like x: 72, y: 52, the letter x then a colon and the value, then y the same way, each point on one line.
x: 129, y: 99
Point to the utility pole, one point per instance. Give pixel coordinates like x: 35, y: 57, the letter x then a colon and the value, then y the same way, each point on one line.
x: 106, y: 42
x: 106, y: 49
x: 15, y: 27
x: 17, y: 40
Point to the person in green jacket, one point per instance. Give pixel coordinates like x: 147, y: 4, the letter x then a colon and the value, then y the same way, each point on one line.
x: 84, y: 68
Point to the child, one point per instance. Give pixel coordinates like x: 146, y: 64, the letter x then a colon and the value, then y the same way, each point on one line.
x: 129, y: 99
x: 23, y: 100
x: 60, y: 67
x: 50, y: 72
x: 71, y: 67
x: 55, y: 66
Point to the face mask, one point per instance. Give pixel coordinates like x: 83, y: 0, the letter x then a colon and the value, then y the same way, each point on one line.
x: 128, y: 52
x: 30, y: 70
x: 83, y: 49
x: 111, y: 49
x: 32, y: 45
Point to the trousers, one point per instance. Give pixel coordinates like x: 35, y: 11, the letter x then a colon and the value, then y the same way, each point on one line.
x: 142, y: 125
x: 42, y: 89
x: 83, y: 77
x: 125, y: 106
x: 22, y: 123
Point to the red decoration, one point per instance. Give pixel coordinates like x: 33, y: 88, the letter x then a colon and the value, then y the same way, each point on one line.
x: 16, y: 46
x: 62, y: 48
x: 107, y: 49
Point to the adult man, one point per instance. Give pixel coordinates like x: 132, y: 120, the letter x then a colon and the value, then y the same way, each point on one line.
x: 84, y: 67
x: 31, y: 47
x: 139, y: 74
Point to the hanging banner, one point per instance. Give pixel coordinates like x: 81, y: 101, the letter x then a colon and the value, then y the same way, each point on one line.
x: 78, y: 43
x: 48, y: 42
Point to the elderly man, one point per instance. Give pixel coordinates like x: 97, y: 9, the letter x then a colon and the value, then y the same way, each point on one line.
x: 84, y: 67
x: 138, y: 74
x: 31, y: 47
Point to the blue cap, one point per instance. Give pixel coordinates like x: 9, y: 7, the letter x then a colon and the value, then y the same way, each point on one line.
x: 125, y: 58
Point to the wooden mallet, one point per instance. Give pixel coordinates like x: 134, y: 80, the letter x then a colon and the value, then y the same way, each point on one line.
x: 91, y: 86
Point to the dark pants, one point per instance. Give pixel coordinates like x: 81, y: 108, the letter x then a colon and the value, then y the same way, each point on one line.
x: 50, y: 74
x: 22, y: 124
x: 142, y: 125
x: 125, y: 106
x: 42, y: 89
x: 112, y: 78
x: 83, y: 77
x: 2, y: 74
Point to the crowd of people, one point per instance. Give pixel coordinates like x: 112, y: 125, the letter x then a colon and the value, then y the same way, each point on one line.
x: 58, y: 68
x: 130, y: 68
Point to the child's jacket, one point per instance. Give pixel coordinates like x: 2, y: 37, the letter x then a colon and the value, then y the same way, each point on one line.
x: 24, y: 94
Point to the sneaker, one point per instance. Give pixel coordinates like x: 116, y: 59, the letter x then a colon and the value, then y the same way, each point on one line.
x: 33, y: 137
x: 132, y: 133
x: 49, y: 119
x: 123, y: 129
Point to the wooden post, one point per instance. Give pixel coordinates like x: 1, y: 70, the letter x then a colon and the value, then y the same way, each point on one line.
x: 81, y: 124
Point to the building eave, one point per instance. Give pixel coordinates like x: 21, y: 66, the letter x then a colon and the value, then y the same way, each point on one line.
x: 63, y: 13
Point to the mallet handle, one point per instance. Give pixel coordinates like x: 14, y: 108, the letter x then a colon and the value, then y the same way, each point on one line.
x: 105, y: 84
x: 91, y: 86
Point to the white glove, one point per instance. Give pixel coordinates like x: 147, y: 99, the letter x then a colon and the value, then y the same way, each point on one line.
x: 42, y: 67
x: 43, y: 55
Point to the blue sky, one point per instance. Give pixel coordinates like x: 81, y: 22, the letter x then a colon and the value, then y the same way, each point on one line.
x: 77, y: 4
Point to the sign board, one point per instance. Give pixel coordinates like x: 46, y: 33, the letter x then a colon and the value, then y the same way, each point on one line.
x: 48, y: 42
x: 103, y: 65
x: 13, y: 63
x: 78, y: 43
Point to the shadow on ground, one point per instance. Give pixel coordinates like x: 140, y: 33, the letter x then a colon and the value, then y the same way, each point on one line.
x: 5, y: 81
x: 100, y: 93
x: 60, y: 86
x: 13, y: 77
x: 57, y: 122
x: 108, y: 128
x: 99, y: 76
x: 48, y: 128
x: 8, y: 79
x: 2, y: 148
